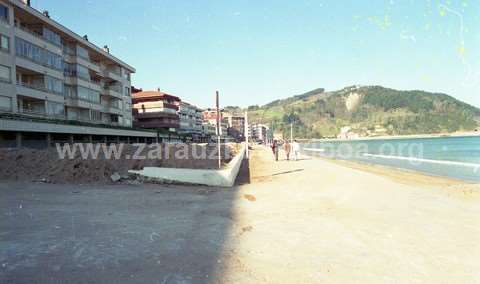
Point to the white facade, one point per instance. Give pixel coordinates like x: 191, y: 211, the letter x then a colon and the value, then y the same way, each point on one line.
x: 258, y: 132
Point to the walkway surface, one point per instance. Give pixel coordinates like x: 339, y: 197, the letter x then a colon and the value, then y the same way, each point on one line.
x: 307, y: 221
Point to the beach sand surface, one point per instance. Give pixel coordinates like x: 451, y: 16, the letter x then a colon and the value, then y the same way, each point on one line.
x: 318, y: 221
x: 306, y: 221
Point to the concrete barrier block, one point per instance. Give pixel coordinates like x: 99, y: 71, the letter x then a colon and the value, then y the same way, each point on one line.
x: 224, y: 177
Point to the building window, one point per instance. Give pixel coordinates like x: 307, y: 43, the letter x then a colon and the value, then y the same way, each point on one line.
x: 96, y: 115
x: 126, y: 75
x: 52, y: 37
x: 5, y: 74
x: 76, y: 70
x: 4, y: 43
x: 3, y: 13
x: 127, y: 91
x: 82, y: 52
x: 56, y: 109
x: 37, y: 54
x: 53, y: 84
x: 69, y: 91
x: 88, y: 95
x: 5, y: 103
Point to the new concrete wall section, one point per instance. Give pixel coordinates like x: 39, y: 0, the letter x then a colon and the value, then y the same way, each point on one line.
x: 224, y: 177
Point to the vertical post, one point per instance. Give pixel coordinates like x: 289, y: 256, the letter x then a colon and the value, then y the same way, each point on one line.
x: 246, y: 135
x: 18, y: 139
x: 217, y: 104
x: 291, y: 132
x: 49, y: 140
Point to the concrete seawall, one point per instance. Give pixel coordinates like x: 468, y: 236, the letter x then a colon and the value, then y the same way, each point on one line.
x: 224, y: 177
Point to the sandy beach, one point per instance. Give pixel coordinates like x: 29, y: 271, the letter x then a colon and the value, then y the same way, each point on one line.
x: 306, y: 221
x: 323, y: 222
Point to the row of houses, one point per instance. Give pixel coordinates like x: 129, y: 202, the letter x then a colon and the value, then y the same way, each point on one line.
x: 55, y: 83
x: 159, y: 110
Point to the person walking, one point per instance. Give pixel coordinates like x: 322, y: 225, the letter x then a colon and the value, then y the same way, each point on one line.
x: 287, y: 147
x: 275, y: 149
x: 295, y: 149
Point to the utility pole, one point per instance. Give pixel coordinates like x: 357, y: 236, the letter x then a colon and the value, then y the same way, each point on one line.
x: 217, y: 103
x: 246, y: 135
x: 291, y: 132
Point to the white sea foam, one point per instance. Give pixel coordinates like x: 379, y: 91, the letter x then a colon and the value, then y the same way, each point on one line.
x: 314, y: 149
x: 414, y: 159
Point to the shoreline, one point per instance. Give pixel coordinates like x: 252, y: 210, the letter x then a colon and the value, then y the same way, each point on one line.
x: 400, y: 137
x: 403, y: 176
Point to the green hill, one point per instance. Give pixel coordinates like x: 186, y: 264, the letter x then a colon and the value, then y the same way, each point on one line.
x: 369, y: 111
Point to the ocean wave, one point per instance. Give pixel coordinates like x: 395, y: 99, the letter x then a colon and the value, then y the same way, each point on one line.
x: 314, y: 149
x: 415, y: 159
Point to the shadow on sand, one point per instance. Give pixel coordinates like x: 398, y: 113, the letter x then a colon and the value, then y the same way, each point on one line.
x: 147, y: 233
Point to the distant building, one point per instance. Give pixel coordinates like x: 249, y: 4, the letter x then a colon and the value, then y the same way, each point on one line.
x: 258, y: 132
x: 346, y: 132
x: 236, y: 126
x: 191, y: 118
x: 208, y: 129
x: 210, y: 117
x: 156, y: 110
x: 134, y: 90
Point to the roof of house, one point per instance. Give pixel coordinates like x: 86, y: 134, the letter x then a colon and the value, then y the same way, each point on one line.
x: 154, y: 95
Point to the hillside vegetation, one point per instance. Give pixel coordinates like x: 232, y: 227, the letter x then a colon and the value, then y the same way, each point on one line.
x: 369, y: 111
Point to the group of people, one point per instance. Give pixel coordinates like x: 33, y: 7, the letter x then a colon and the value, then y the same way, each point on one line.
x: 287, y: 147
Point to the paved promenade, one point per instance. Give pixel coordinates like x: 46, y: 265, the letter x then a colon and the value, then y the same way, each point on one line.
x: 307, y: 221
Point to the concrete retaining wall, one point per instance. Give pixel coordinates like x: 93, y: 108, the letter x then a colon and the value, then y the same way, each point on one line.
x: 224, y: 177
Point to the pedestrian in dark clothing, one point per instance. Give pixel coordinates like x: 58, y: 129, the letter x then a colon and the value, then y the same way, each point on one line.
x: 275, y: 149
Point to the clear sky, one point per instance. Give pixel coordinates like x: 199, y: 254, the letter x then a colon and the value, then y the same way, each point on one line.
x: 254, y: 52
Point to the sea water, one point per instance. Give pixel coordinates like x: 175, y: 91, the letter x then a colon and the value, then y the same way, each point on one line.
x: 455, y: 157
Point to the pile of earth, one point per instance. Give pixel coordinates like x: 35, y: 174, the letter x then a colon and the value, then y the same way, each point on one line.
x: 47, y: 165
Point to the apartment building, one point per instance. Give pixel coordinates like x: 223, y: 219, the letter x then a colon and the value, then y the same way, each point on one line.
x: 48, y: 71
x: 156, y: 110
x: 210, y: 117
x: 259, y: 132
x: 236, y: 126
x: 209, y: 129
x: 191, y: 118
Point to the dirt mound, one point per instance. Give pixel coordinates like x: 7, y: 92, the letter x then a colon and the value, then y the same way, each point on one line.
x: 48, y: 165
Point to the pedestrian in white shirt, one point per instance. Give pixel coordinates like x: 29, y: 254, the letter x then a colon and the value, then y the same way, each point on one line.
x: 296, y: 149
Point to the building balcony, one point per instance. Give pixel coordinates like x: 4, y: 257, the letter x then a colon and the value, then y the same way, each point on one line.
x: 38, y: 40
x: 70, y: 58
x: 112, y: 92
x: 32, y: 112
x: 156, y: 124
x: 92, y: 84
x: 156, y: 119
x: 38, y: 92
x: 37, y: 67
x: 114, y: 75
x: 111, y: 109
x: 79, y: 103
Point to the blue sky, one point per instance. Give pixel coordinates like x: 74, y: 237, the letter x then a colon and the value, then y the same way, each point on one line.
x: 254, y: 52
